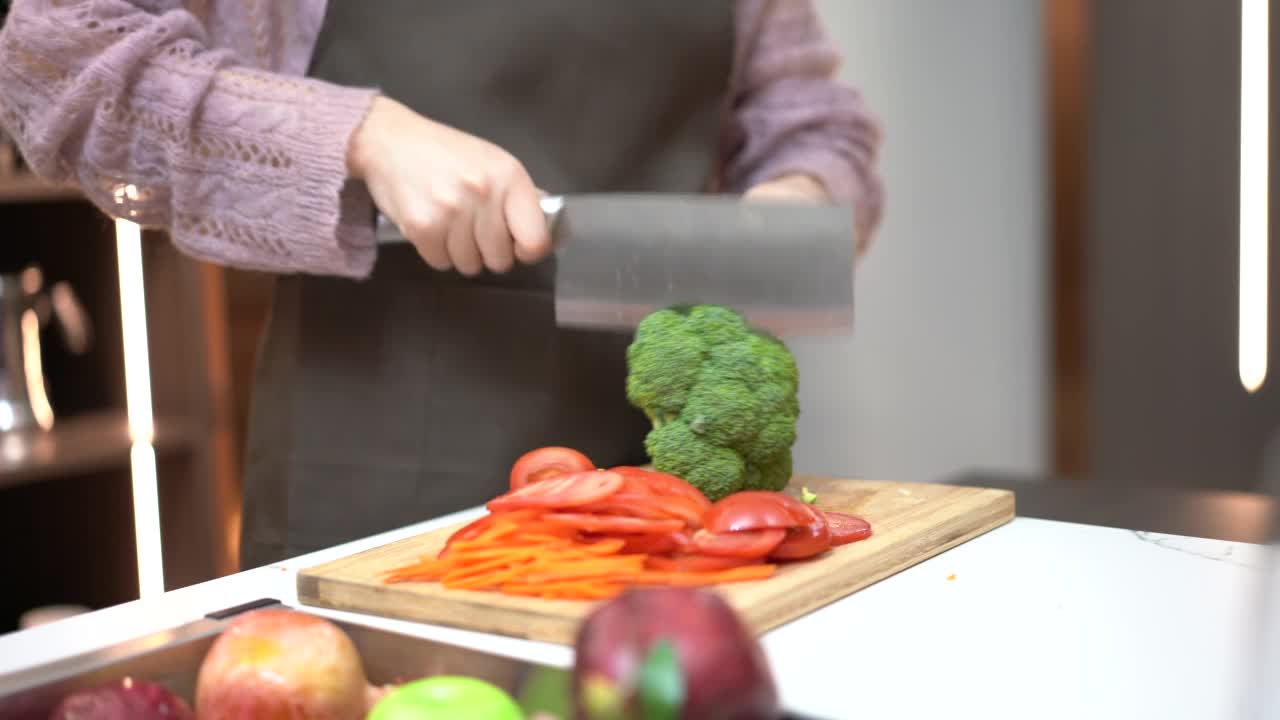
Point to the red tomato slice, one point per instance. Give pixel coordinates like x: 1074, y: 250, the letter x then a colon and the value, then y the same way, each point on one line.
x: 696, y: 563
x: 664, y: 484
x: 801, y: 544
x: 588, y: 522
x: 631, y: 471
x: 684, y: 541
x: 629, y: 501
x: 749, y: 544
x: 756, y: 510
x: 807, y: 540
x: 564, y: 491
x: 548, y: 462
x: 847, y: 528
x: 683, y: 509
x: 658, y: 544
x: 649, y: 507
x: 655, y: 544
x: 651, y: 494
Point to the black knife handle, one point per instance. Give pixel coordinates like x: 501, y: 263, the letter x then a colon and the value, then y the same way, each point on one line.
x: 240, y: 609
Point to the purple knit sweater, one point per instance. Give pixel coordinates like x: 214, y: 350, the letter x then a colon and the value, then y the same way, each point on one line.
x: 194, y: 116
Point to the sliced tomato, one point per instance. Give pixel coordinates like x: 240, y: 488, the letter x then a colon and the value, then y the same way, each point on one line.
x: 683, y: 509
x: 594, y: 523
x: 643, y: 504
x: 801, y: 544
x: 754, y: 510
x: 631, y: 471
x: 750, y: 544
x: 652, y: 544
x: 548, y: 462
x: 629, y: 505
x: 563, y: 491
x: 659, y: 544
x: 807, y: 540
x: 650, y: 494
x: 664, y: 484
x: 846, y: 529
x: 696, y: 563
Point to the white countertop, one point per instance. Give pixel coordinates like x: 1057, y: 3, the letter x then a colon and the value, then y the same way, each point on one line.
x: 1042, y: 619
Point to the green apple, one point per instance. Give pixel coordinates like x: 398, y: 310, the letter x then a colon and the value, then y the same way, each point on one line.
x: 447, y: 697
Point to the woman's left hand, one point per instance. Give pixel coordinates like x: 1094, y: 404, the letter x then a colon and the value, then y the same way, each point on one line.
x: 796, y: 186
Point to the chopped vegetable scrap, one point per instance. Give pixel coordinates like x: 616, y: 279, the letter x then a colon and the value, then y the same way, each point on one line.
x: 569, y: 533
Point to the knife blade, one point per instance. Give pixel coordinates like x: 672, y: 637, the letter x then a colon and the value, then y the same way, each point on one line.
x: 787, y: 267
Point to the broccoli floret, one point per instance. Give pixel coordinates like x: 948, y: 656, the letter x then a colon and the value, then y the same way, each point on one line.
x: 778, y: 433
x: 663, y: 361
x: 715, y: 389
x: 725, y: 412
x: 716, y: 325
x: 716, y: 471
x: 773, y: 473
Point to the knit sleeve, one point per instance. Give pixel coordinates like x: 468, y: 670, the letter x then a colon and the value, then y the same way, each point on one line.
x: 125, y: 100
x: 790, y: 115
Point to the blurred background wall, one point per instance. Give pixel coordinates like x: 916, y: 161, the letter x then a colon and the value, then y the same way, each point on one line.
x: 949, y: 365
x: 1166, y: 403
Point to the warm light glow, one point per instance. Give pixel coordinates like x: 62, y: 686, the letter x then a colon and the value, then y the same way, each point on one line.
x: 31, y: 365
x: 1254, y: 112
x: 137, y: 381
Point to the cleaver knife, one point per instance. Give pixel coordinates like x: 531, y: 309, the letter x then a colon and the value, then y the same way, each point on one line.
x: 787, y: 267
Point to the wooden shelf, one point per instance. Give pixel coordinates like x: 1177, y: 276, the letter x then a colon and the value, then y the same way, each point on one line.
x: 83, y: 444
x: 25, y: 188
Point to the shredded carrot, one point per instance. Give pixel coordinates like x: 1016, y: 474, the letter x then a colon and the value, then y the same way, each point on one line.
x: 425, y: 570
x: 483, y: 567
x: 565, y: 590
x: 490, y: 579
x: 500, y: 529
x: 525, y: 555
x: 472, y: 556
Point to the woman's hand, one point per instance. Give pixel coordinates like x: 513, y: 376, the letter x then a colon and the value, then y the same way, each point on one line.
x: 796, y: 186
x: 463, y: 202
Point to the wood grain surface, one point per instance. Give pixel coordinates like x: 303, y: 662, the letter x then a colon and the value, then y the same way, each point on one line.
x: 910, y: 523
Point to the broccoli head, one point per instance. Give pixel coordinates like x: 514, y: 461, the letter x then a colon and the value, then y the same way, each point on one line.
x: 721, y: 397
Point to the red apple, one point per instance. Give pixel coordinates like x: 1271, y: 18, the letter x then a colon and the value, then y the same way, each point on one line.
x: 128, y: 699
x: 713, y: 668
x: 280, y: 664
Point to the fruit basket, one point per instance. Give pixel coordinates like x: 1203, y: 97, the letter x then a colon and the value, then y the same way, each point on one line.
x: 172, y: 659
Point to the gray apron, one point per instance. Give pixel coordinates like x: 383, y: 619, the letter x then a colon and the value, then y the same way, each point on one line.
x: 389, y: 401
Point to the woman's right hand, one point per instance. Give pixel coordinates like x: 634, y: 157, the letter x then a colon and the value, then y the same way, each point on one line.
x: 463, y: 202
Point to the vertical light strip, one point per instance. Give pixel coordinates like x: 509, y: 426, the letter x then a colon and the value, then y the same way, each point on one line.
x: 1254, y: 155
x: 146, y: 520
x: 137, y: 383
x: 32, y: 364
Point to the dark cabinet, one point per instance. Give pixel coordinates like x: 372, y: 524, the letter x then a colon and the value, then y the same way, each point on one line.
x: 66, y: 510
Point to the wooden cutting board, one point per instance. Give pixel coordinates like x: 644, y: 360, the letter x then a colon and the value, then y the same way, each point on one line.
x: 910, y: 523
